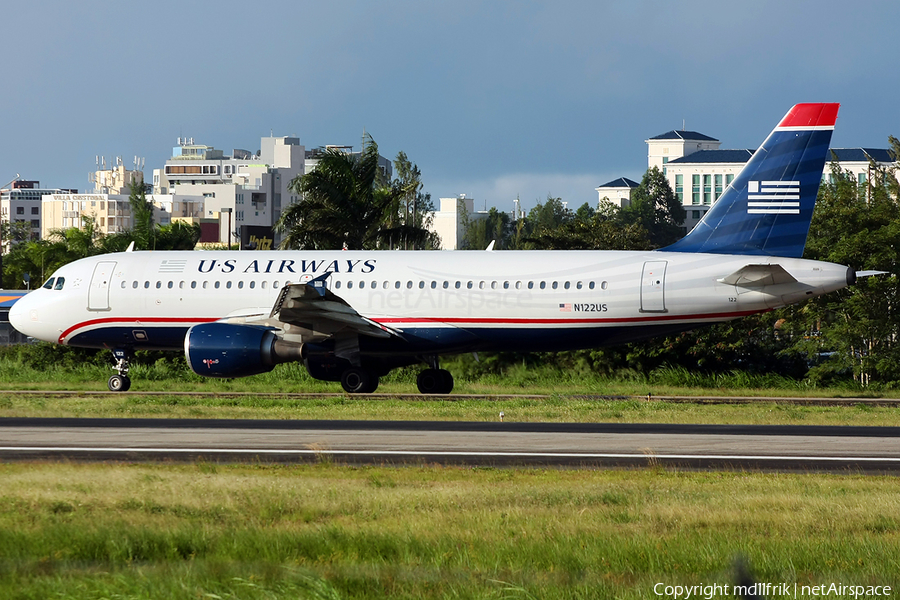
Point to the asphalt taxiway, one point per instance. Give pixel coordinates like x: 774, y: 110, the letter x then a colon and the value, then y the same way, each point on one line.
x: 766, y: 447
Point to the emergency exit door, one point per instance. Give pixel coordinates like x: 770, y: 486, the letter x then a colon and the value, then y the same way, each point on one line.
x: 653, y: 286
x: 98, y: 293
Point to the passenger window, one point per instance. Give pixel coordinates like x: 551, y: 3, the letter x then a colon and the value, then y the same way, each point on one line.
x: 205, y: 284
x: 446, y: 284
x: 337, y: 285
x: 603, y: 285
x: 421, y: 285
x: 493, y: 285
x: 60, y: 282
x: 530, y: 285
x: 386, y: 285
x: 134, y: 284
x: 433, y: 284
x: 228, y: 284
x: 409, y: 285
x: 49, y: 284
x: 566, y: 285
x: 555, y: 285
x: 396, y: 285
x: 543, y: 285
x: 171, y: 285
x: 591, y: 285
x: 518, y: 285
x: 458, y: 285
x: 240, y: 285
x: 146, y: 285
x: 349, y: 285
x: 181, y: 285
x: 158, y: 284
x: 375, y: 284
x: 123, y: 285
x: 193, y: 285
x: 253, y: 284
x: 578, y: 285
x: 469, y: 285
x: 480, y: 285
x: 263, y: 285
x: 216, y: 284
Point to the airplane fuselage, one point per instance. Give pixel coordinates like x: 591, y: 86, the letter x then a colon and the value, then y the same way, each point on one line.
x: 447, y: 301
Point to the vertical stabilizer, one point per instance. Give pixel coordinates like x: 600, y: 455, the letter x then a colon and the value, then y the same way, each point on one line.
x: 768, y: 207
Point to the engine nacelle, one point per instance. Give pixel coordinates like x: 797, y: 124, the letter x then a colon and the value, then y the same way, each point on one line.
x: 228, y: 350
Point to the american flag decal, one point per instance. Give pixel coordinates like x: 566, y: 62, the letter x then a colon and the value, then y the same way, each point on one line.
x: 565, y: 308
x: 172, y: 266
x: 773, y: 198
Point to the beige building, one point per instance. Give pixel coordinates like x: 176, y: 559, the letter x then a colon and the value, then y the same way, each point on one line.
x: 112, y: 212
x: 450, y: 221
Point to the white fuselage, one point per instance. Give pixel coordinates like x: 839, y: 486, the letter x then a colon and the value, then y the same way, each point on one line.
x: 514, y: 300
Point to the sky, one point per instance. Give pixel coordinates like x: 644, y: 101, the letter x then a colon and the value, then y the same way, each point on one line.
x: 496, y: 100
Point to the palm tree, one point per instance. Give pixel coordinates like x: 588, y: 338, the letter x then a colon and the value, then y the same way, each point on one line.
x: 344, y: 203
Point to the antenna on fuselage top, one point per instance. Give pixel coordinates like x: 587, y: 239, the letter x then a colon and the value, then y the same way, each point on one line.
x: 130, y: 247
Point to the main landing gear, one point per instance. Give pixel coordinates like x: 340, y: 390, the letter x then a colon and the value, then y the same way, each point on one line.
x: 434, y: 380
x: 120, y: 382
x: 357, y: 380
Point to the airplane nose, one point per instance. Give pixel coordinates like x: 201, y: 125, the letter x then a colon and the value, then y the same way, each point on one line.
x: 19, y: 315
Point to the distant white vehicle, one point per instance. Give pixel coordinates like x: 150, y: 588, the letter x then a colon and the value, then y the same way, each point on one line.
x: 354, y: 316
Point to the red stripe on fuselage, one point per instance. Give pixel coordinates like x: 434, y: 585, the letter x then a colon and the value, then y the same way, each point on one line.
x: 436, y: 321
x: 132, y: 321
x: 515, y: 321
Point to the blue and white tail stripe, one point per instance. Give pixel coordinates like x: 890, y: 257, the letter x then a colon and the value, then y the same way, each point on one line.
x: 768, y: 207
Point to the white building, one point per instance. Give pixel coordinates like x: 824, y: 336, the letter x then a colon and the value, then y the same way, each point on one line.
x: 21, y: 203
x: 450, y: 221
x: 241, y: 189
x: 618, y: 191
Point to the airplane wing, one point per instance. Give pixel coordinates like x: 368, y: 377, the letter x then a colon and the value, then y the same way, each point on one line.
x: 758, y: 276
x: 318, y: 313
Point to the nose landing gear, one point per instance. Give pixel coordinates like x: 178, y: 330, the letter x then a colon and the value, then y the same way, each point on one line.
x: 120, y: 382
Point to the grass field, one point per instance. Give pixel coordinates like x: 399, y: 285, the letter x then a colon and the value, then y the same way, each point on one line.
x: 556, y: 408
x: 330, y: 531
x: 117, y: 531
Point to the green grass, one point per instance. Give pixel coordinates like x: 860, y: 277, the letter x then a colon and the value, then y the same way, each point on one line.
x: 556, y: 408
x: 207, y: 531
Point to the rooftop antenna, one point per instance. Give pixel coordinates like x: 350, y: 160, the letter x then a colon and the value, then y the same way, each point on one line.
x: 682, y: 125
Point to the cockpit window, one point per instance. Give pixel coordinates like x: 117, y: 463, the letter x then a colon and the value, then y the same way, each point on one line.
x: 60, y: 282
x: 49, y: 284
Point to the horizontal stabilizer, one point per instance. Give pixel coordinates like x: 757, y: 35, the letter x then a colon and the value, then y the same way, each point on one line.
x: 870, y: 273
x: 758, y: 276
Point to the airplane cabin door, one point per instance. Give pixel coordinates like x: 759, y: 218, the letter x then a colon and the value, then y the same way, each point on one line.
x: 98, y: 293
x: 653, y: 283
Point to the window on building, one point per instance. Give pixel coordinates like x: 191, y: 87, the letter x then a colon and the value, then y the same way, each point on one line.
x: 679, y: 188
x: 707, y: 189
x: 35, y: 210
x: 695, y: 189
x: 20, y: 210
x: 718, y: 181
x: 728, y: 179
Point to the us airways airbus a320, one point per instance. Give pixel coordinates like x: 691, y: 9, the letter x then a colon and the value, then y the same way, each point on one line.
x: 354, y: 316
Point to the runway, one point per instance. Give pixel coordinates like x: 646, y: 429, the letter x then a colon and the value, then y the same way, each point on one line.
x: 766, y: 447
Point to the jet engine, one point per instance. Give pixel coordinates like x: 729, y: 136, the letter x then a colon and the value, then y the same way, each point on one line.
x: 229, y: 350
